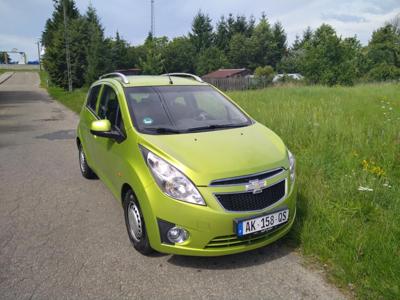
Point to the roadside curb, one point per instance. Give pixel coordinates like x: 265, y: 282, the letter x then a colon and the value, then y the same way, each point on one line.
x: 5, y: 76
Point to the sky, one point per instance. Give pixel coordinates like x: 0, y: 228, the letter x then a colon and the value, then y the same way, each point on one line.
x: 22, y: 21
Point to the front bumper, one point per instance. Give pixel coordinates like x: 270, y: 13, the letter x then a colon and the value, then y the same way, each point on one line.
x: 211, y: 230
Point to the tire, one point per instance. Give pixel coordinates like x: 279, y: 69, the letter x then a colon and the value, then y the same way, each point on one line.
x: 86, y: 171
x: 135, y: 225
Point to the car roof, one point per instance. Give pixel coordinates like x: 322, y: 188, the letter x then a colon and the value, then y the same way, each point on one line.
x: 148, y: 80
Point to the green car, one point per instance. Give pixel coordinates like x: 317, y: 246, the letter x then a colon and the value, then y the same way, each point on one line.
x: 195, y: 174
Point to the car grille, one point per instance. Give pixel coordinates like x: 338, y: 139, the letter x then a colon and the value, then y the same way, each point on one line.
x: 246, y: 179
x: 234, y: 240
x: 248, y: 201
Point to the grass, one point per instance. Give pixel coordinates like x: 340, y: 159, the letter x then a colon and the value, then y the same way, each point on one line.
x: 344, y: 139
x: 71, y: 100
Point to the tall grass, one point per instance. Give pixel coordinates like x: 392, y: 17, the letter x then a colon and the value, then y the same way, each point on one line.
x: 347, y: 144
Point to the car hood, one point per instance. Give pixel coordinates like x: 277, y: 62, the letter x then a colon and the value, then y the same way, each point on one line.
x: 219, y: 154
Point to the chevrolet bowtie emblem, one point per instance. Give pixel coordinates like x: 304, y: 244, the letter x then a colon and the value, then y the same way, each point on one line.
x: 256, y: 186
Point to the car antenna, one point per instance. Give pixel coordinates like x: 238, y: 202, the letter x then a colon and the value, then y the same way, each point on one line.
x: 169, y: 76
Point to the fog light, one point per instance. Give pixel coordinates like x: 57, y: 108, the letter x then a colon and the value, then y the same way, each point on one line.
x: 177, y: 235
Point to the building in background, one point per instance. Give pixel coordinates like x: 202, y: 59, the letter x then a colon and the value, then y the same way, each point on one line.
x: 227, y: 73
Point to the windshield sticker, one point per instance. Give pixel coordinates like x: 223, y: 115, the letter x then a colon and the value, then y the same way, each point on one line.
x: 147, y: 121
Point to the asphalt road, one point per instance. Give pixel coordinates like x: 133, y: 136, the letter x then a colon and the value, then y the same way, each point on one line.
x: 62, y: 236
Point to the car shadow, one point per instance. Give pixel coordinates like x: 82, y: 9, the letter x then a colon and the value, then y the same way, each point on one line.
x: 259, y: 256
x: 276, y: 250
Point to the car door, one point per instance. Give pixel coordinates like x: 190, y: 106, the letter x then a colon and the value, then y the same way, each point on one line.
x: 88, y: 115
x: 108, y: 152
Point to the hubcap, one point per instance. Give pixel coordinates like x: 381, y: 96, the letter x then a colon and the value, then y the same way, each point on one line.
x: 135, y: 222
x: 82, y: 160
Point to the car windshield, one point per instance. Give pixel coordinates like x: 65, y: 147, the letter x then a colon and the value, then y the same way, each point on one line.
x: 180, y: 109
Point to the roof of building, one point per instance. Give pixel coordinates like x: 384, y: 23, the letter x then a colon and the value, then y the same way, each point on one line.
x: 224, y: 73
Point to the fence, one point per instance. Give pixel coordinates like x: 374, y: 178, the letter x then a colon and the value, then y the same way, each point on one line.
x: 239, y: 83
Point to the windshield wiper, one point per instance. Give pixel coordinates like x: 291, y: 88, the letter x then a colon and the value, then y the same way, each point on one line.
x: 216, y: 126
x: 163, y: 129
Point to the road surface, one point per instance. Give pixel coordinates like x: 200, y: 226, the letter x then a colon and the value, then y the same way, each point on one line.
x: 62, y: 236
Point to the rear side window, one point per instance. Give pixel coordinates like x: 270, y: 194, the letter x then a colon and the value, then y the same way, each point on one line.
x: 92, y: 98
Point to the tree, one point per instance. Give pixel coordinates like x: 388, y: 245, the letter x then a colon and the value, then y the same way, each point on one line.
x: 97, y: 50
x: 179, y: 55
x: 77, y: 34
x: 239, y: 51
x: 53, y: 24
x: 4, y: 58
x: 202, y: 36
x: 265, y: 72
x: 327, y: 59
x: 119, y: 53
x: 383, y: 54
x: 54, y: 39
x: 395, y: 23
x: 222, y: 35
x: 383, y: 71
x: 261, y: 43
x: 211, y: 59
x: 384, y: 46
x: 292, y: 61
x: 153, y: 63
x: 279, y: 45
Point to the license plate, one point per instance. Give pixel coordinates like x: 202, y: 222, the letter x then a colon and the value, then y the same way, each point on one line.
x: 263, y: 223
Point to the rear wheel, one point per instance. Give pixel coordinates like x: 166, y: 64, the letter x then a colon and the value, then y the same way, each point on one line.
x: 135, y: 224
x: 86, y: 171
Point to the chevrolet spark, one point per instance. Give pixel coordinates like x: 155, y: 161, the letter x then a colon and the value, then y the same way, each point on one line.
x: 195, y: 174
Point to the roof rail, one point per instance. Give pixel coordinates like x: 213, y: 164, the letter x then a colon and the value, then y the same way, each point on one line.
x: 116, y: 74
x: 187, y: 75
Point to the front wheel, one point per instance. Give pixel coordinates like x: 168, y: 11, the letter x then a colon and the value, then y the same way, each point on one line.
x: 135, y: 224
x: 86, y: 171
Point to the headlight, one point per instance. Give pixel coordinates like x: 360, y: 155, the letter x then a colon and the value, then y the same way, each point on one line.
x: 171, y: 181
x: 292, y: 166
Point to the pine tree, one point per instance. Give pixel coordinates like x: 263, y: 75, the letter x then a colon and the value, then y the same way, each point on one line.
x: 153, y: 62
x: 119, y: 53
x: 222, y: 35
x: 202, y: 35
x: 261, y: 43
x: 97, y: 52
x: 54, y: 40
x: 279, y: 44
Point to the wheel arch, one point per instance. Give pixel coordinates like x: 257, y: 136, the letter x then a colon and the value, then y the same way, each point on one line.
x: 124, y: 189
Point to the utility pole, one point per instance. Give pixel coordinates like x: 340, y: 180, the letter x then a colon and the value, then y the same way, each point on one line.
x: 67, y: 49
x: 38, y: 52
x: 153, y: 19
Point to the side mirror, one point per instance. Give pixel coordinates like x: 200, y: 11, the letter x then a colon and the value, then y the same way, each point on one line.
x: 102, y: 128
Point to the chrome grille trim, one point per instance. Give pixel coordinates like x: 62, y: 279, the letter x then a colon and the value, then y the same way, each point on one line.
x: 220, y: 182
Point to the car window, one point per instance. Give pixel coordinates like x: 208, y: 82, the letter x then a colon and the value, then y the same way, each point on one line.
x: 182, y: 108
x: 109, y: 106
x: 119, y: 123
x: 214, y: 109
x: 92, y: 97
x: 146, y: 107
